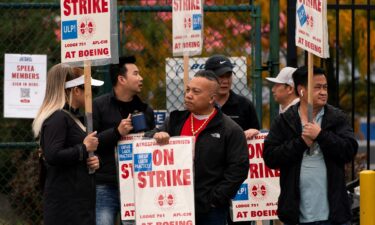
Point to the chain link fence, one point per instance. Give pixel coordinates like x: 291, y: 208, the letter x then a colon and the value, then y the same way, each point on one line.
x: 145, y: 28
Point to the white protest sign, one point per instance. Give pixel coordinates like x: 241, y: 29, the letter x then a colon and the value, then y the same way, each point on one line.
x: 85, y: 30
x: 174, y: 77
x: 258, y: 195
x: 24, y: 84
x: 311, y: 27
x: 187, y: 17
x: 125, y: 175
x: 163, y: 182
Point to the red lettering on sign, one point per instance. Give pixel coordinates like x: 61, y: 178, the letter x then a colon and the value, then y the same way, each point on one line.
x: 25, y: 75
x: 127, y: 169
x: 255, y: 151
x: 261, y: 213
x: 242, y: 214
x: 164, y: 178
x: 129, y: 213
x: 183, y: 222
x: 186, y: 5
x: 164, y: 157
x: 260, y: 170
x: 315, y: 4
x: 313, y: 46
x: 84, y: 7
x: 93, y: 52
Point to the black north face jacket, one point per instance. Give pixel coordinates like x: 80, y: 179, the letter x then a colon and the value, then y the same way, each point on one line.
x: 221, y: 160
x: 284, y: 148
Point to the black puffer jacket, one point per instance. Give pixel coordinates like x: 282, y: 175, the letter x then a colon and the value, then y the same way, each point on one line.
x: 221, y: 161
x: 284, y: 148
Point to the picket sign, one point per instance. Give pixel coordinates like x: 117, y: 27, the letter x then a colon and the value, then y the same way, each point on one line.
x: 256, y: 199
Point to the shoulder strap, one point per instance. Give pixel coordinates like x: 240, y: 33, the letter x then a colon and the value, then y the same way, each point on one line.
x: 76, y: 120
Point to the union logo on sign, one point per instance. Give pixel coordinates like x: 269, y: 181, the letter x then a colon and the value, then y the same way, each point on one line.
x: 165, y: 200
x: 259, y: 190
x: 87, y: 28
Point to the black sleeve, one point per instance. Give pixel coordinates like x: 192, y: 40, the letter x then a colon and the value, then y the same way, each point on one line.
x: 54, y: 142
x: 164, y: 127
x: 237, y: 167
x: 107, y: 138
x: 254, y: 122
x: 338, y: 144
x: 150, y: 118
x: 279, y: 150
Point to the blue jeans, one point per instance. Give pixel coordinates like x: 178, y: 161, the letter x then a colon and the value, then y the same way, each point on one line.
x: 216, y: 216
x: 321, y: 223
x: 108, y: 205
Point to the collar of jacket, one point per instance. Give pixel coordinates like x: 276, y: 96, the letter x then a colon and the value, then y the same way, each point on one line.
x: 216, y: 121
x: 136, y: 100
x: 291, y: 117
x: 75, y: 112
x: 231, y: 99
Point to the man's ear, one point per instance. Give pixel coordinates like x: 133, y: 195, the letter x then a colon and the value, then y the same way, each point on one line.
x: 299, y: 89
x: 290, y: 89
x: 213, y: 98
x: 120, y: 79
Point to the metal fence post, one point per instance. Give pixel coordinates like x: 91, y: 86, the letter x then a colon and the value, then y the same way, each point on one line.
x: 274, y: 51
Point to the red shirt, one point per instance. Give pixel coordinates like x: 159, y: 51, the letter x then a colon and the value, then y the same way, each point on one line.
x: 197, y: 126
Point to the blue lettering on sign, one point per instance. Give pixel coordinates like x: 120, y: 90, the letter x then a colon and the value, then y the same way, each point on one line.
x: 197, y: 21
x: 125, y: 152
x: 142, y: 162
x: 69, y: 29
x: 302, y: 15
x: 242, y: 193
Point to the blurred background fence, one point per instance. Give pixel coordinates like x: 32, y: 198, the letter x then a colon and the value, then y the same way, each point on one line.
x: 255, y: 35
x: 145, y: 29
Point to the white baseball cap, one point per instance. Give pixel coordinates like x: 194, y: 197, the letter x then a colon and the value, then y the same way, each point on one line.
x: 81, y: 80
x: 285, y: 76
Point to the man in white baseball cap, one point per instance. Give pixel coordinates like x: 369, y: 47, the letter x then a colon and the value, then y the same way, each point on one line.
x: 283, y: 88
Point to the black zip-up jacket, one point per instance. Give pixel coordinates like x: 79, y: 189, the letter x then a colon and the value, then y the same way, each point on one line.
x: 241, y: 110
x: 107, y: 115
x: 221, y: 160
x: 284, y: 148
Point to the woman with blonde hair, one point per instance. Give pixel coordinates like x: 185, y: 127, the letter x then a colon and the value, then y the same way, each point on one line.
x: 69, y: 190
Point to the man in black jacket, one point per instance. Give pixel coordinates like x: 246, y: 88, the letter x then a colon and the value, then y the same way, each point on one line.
x: 311, y: 157
x: 221, y: 161
x: 112, y: 119
x: 237, y: 107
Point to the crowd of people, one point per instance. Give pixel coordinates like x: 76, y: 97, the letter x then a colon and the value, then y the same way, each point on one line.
x: 310, y: 153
